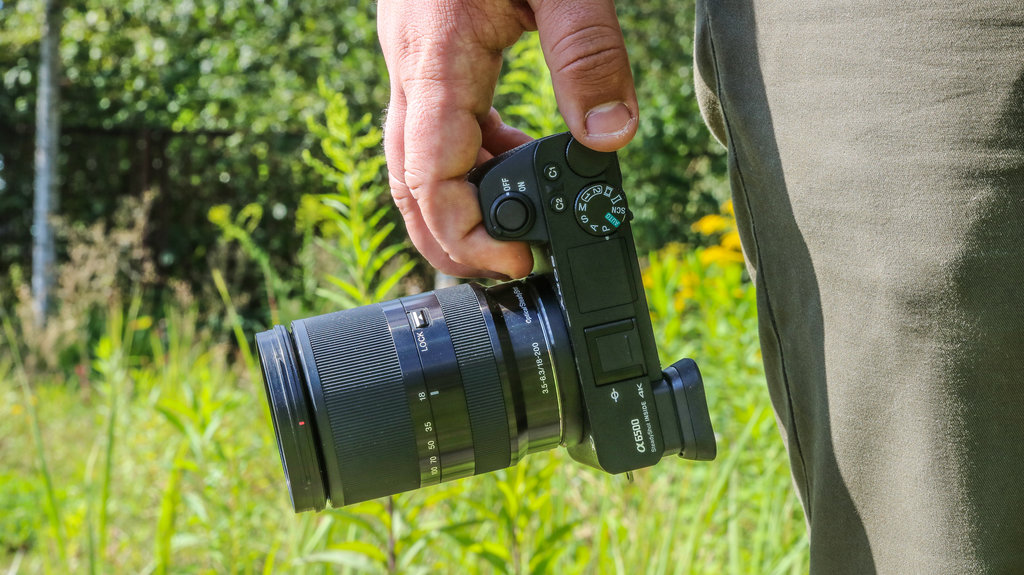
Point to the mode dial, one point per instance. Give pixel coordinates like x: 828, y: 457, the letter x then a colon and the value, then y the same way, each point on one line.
x: 601, y: 209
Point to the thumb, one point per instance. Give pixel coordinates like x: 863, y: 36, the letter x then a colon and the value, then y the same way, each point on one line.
x: 586, y: 54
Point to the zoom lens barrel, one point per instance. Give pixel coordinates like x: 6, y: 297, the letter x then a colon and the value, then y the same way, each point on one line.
x: 390, y: 397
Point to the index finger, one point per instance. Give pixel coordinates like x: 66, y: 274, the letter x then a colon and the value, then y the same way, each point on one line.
x: 443, y: 91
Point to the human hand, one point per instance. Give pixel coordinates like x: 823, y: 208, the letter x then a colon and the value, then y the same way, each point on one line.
x: 444, y: 57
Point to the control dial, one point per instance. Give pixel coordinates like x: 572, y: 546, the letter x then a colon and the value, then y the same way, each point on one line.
x: 601, y: 209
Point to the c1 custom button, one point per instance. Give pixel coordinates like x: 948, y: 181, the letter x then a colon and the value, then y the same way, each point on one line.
x: 558, y: 204
x: 552, y: 172
x: 615, y: 351
x: 511, y: 214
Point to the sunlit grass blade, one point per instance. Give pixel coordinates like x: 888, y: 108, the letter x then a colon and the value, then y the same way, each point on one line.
x: 53, y: 508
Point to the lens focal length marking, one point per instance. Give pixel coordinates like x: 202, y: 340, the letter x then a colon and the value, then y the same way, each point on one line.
x: 416, y: 390
x: 445, y: 391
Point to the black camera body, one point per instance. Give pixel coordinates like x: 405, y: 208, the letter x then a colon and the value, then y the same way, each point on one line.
x: 568, y: 201
x: 437, y: 386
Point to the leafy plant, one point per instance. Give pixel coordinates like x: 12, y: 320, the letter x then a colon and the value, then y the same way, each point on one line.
x: 158, y: 454
x: 525, y: 95
x: 368, y: 261
x: 350, y: 255
x: 515, y: 532
x: 239, y: 228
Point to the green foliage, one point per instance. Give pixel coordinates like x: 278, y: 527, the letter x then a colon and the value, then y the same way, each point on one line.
x: 702, y: 307
x: 18, y: 519
x: 148, y: 448
x: 354, y: 221
x: 525, y: 96
x: 239, y: 228
x: 515, y: 531
x: 205, y: 102
x: 349, y: 254
x: 195, y: 482
x: 675, y: 169
x: 188, y: 66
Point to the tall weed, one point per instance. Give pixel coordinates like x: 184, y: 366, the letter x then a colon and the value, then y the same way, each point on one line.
x: 102, y: 265
x: 350, y: 255
x: 525, y: 94
x: 369, y: 260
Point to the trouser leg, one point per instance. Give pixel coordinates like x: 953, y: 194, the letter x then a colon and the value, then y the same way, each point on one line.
x: 877, y: 164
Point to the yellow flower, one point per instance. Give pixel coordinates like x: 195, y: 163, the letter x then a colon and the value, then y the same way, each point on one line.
x: 719, y: 255
x: 711, y: 224
x: 679, y: 302
x: 219, y: 214
x: 731, y: 241
x: 143, y: 323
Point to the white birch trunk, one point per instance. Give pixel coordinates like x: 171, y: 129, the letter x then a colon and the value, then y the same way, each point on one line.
x: 46, y: 179
x: 442, y: 280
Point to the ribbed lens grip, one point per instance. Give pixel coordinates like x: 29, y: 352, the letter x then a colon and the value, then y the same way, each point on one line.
x: 369, y: 446
x: 484, y: 400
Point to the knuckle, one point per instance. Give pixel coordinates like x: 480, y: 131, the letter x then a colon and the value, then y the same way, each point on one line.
x: 590, y: 53
x: 405, y: 203
x: 459, y: 255
x: 403, y: 198
x: 417, y: 182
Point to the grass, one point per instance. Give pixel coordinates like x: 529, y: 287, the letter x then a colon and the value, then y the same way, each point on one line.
x: 161, y: 458
x: 130, y: 444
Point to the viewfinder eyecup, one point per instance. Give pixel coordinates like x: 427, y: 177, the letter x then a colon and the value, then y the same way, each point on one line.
x: 686, y: 389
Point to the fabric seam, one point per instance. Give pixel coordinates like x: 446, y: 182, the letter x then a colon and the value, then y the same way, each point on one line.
x: 763, y: 279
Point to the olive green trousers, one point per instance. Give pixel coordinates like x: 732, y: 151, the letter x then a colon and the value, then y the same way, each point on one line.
x: 876, y: 153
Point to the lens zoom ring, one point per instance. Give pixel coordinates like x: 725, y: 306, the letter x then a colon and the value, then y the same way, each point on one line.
x: 366, y: 403
x: 482, y: 384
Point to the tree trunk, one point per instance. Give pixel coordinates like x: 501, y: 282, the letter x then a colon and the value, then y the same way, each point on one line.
x: 47, y: 138
x: 442, y: 280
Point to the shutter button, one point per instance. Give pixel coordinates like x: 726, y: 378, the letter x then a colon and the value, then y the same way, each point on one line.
x: 584, y: 161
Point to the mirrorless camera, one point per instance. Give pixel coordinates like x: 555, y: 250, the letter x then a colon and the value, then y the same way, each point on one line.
x: 394, y: 396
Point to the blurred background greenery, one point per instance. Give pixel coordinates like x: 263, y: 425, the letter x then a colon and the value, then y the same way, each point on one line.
x: 220, y: 170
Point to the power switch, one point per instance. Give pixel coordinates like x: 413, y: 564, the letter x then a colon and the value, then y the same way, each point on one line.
x: 615, y: 351
x: 511, y: 215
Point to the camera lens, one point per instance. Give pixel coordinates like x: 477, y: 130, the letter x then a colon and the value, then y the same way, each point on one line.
x: 437, y: 386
